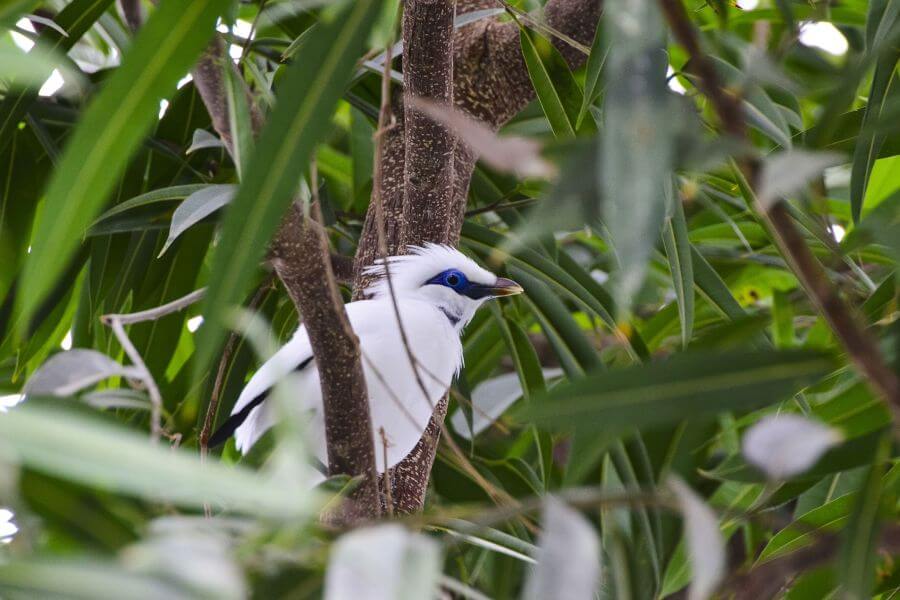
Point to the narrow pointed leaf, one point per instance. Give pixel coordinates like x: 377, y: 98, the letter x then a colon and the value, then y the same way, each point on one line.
x: 637, y: 142
x: 678, y: 251
x: 556, y: 91
x: 686, y: 384
x: 197, y: 207
x: 123, y: 462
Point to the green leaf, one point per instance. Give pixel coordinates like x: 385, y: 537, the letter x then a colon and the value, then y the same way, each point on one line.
x: 782, y: 320
x: 28, y: 70
x: 714, y: 289
x: 686, y: 384
x: 858, y: 553
x: 160, y: 196
x: 595, y: 62
x: 195, y: 208
x: 556, y: 88
x: 307, y: 95
x: 678, y: 251
x: 869, y: 143
x: 638, y: 141
x: 238, y: 119
x: 829, y: 517
x: 581, y: 288
x: 574, y: 350
x: 110, y: 458
x: 109, y: 132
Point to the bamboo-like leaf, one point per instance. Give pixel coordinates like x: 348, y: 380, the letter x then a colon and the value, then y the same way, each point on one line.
x: 686, y: 384
x: 556, y: 88
x: 704, y: 541
x: 829, y: 517
x: 204, y: 139
x: 308, y: 92
x: 783, y: 446
x: 858, y: 554
x: 786, y: 173
x: 108, y: 457
x: 111, y: 129
x: 571, y: 345
x: 880, y: 20
x: 638, y: 141
x: 385, y: 562
x: 568, y: 557
x: 714, y: 289
x: 238, y: 120
x: 197, y: 207
x: 69, y: 372
x: 678, y: 251
x: 28, y: 69
x: 596, y: 60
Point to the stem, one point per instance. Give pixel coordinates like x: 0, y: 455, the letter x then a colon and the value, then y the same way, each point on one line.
x: 146, y: 377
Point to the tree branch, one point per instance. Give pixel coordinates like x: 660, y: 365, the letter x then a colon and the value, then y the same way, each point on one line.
x: 490, y: 83
x: 302, y: 261
x: 861, y: 347
x: 429, y: 145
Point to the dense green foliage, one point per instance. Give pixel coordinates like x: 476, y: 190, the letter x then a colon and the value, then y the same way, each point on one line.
x: 660, y: 321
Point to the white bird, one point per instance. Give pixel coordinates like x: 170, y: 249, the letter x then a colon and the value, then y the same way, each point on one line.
x: 437, y: 291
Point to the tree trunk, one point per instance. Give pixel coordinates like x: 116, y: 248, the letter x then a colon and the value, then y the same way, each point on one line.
x: 490, y: 83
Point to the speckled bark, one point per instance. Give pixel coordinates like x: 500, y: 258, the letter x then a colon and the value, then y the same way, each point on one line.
x: 299, y: 254
x: 428, y: 166
x: 302, y: 260
x: 491, y: 83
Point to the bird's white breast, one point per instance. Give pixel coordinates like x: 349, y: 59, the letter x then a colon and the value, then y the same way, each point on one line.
x: 398, y: 404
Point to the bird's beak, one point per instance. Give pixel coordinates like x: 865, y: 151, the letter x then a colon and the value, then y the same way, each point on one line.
x: 505, y: 287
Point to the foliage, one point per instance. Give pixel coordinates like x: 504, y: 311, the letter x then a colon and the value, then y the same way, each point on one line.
x: 661, y: 323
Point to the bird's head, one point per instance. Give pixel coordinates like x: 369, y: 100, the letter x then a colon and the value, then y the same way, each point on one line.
x: 442, y: 276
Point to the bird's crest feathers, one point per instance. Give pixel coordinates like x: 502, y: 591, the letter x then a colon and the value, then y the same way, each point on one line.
x: 410, y: 271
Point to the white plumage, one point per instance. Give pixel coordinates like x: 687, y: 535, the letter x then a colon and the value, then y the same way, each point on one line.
x: 437, y: 291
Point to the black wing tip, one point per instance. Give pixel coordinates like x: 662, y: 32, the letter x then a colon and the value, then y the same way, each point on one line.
x: 234, y: 421
x: 224, y: 432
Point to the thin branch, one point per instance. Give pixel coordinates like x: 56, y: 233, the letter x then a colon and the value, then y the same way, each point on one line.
x: 544, y: 28
x: 146, y: 376
x: 300, y: 255
x: 152, y: 314
x: 860, y: 346
x: 388, y: 501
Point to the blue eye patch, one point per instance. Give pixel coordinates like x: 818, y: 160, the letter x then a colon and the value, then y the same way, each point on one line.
x: 458, y: 282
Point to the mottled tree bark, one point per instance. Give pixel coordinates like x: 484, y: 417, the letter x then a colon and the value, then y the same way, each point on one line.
x: 490, y: 83
x: 301, y: 258
x: 428, y: 164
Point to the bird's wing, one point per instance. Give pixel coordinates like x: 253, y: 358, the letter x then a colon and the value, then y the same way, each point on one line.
x: 250, y: 418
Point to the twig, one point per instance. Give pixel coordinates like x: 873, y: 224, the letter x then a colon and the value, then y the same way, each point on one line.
x: 152, y: 314
x: 116, y: 322
x: 146, y: 377
x: 860, y: 346
x: 518, y: 13
x: 388, y: 501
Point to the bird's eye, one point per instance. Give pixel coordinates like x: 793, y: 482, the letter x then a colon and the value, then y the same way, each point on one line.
x: 452, y: 279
